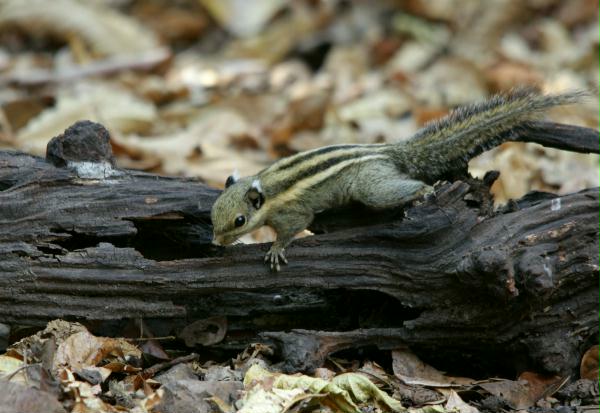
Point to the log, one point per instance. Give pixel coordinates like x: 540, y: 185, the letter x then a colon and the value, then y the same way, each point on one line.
x: 83, y: 240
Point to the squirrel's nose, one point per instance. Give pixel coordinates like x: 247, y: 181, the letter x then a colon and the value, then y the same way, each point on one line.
x: 216, y: 241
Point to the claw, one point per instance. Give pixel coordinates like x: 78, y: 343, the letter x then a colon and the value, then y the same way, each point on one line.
x: 273, y: 258
x: 282, y: 257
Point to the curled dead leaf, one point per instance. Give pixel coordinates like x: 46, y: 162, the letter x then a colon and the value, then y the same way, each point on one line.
x: 411, y: 370
x: 589, y: 364
x: 105, y: 30
x: 204, y: 332
x: 83, y: 350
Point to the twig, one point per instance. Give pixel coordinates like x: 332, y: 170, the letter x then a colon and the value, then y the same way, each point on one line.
x: 26, y: 366
x: 151, y: 371
x: 144, y: 61
x: 149, y: 338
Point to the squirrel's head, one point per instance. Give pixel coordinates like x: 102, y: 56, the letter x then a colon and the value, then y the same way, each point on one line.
x: 233, y: 213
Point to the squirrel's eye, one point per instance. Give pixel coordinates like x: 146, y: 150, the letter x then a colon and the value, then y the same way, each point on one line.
x: 239, y: 221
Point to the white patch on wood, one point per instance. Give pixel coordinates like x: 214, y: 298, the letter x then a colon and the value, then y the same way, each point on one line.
x: 548, y: 269
x: 555, y: 204
x: 93, y: 170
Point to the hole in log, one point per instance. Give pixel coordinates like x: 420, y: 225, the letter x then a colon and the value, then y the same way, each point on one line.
x: 171, y: 239
x: 156, y: 239
x: 77, y: 241
x: 371, y: 353
x: 376, y: 309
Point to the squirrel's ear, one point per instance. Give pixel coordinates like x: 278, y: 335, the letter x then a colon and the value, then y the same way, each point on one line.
x: 232, y: 179
x: 255, y: 194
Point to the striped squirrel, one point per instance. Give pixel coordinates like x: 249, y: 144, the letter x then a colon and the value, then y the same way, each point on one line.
x: 287, y: 194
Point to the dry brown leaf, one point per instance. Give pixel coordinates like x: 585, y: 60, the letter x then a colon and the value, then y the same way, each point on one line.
x: 117, y: 108
x: 57, y: 330
x: 515, y: 393
x: 200, y: 150
x: 450, y: 10
x: 83, y: 350
x: 411, y: 370
x: 241, y: 17
x: 170, y: 22
x: 450, y: 82
x: 94, y: 374
x: 555, y: 46
x: 506, y: 75
x: 203, y: 331
x: 456, y: 403
x: 12, y: 367
x: 17, y: 398
x: 278, y: 39
x: 120, y: 367
x: 105, y: 30
x: 540, y: 385
x: 154, y: 349
x: 525, y: 392
x: 411, y: 57
x: 85, y: 395
x: 589, y: 364
x: 21, y: 110
x: 526, y: 167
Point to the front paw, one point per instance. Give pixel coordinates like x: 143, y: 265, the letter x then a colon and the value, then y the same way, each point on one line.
x: 274, y: 256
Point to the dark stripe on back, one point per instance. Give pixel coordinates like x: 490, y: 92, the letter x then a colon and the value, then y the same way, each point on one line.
x: 315, y: 169
x: 311, y: 154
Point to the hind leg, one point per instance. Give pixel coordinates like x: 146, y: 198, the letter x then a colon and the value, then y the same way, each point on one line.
x: 387, y: 188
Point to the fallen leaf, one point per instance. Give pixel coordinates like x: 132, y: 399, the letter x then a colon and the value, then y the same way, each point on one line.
x: 8, y: 368
x: 85, y: 395
x: 589, y: 364
x: 60, y: 330
x: 514, y: 393
x: 153, y: 347
x: 457, y: 404
x: 115, y: 107
x: 93, y: 374
x: 17, y: 398
x: 525, y: 392
x: 273, y: 391
x: 121, y: 367
x: 83, y: 350
x: 411, y: 370
x: 540, y: 385
x: 202, y: 149
x: 259, y: 400
x: 192, y: 395
x: 243, y: 18
x: 204, y: 332
x: 506, y: 75
x: 103, y: 28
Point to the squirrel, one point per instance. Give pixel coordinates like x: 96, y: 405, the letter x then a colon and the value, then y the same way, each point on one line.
x: 287, y: 194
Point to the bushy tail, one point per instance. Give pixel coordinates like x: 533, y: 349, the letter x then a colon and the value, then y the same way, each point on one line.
x: 444, y: 147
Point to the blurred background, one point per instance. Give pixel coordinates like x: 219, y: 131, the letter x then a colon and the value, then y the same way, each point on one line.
x: 202, y: 87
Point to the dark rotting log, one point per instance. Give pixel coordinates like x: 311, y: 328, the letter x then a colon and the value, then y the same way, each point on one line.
x: 88, y: 241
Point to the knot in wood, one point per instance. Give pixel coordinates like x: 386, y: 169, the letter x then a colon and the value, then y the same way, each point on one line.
x: 84, y: 141
x: 492, y: 270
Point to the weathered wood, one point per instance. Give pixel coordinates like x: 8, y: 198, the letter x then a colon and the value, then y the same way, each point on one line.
x: 555, y: 135
x: 444, y: 279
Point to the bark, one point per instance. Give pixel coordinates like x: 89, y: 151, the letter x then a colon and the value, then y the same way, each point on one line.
x: 97, y: 243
